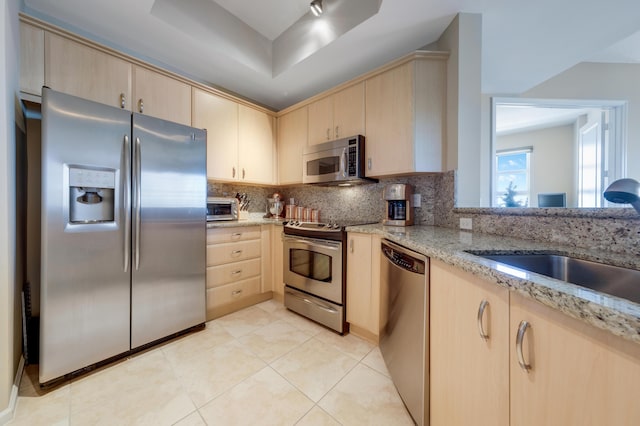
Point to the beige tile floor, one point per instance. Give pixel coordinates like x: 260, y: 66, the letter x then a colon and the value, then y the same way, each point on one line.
x: 263, y: 365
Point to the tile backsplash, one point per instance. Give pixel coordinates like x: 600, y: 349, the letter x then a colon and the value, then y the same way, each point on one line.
x: 611, y: 229
x: 607, y: 229
x: 356, y: 203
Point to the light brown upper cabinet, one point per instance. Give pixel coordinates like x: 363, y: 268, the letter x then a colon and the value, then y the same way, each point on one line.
x: 219, y: 116
x: 240, y: 139
x: 292, y: 139
x: 405, y: 118
x: 31, y: 59
x: 338, y: 115
x: 256, y: 146
x: 160, y: 96
x: 82, y: 71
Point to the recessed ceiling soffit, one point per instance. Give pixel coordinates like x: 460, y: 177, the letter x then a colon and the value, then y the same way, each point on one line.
x: 207, y: 22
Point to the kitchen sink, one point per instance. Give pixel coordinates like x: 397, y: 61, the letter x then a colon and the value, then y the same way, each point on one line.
x: 614, y: 280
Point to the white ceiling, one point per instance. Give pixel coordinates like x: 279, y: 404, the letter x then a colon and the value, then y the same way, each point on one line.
x: 246, y: 46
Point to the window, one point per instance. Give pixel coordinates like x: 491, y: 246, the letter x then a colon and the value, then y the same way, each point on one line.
x: 512, y: 178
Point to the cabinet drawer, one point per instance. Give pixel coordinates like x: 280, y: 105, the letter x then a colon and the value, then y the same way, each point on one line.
x: 231, y: 292
x: 232, y: 272
x: 219, y: 254
x: 228, y: 235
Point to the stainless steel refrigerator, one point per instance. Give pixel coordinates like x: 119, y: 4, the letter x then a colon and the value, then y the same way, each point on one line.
x: 123, y: 233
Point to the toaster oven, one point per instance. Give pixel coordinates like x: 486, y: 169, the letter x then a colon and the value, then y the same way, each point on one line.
x: 222, y: 208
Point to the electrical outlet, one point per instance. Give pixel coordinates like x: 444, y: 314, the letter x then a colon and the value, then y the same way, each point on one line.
x: 417, y: 200
x: 466, y: 223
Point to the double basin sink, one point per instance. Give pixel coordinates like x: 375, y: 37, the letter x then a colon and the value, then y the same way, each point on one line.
x: 612, y: 280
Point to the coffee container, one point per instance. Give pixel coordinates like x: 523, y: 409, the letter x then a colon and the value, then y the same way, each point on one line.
x: 398, y: 200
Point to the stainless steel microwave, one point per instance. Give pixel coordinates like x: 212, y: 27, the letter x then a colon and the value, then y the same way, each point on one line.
x: 222, y: 208
x: 339, y: 162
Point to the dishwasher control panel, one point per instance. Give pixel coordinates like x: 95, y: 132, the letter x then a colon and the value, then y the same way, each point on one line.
x: 403, y: 260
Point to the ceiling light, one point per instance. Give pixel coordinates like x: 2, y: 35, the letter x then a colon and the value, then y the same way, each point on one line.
x: 316, y: 7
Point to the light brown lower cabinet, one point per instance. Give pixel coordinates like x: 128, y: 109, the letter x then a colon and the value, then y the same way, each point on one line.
x: 469, y: 364
x: 237, y: 276
x: 555, y: 370
x: 277, y: 249
x: 578, y: 375
x: 363, y: 285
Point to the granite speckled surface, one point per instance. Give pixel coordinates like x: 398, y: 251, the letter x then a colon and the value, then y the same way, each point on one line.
x: 619, y: 316
x: 357, y: 203
x: 253, y: 219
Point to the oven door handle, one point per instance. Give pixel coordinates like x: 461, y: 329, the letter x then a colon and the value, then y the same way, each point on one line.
x: 316, y: 243
x: 313, y: 302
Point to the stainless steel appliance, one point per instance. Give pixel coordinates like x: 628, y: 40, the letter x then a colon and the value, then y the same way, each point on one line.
x: 398, y: 199
x: 222, y: 208
x: 123, y: 232
x: 404, y: 341
x: 340, y: 162
x: 315, y: 271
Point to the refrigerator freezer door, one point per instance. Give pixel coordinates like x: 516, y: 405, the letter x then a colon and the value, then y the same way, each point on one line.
x: 85, y: 282
x: 169, y: 229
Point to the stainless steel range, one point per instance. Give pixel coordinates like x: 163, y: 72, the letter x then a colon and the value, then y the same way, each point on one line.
x: 315, y: 271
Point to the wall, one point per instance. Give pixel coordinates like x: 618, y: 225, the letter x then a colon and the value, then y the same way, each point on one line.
x: 9, y: 328
x: 463, y: 39
x: 552, y: 159
x: 584, y: 81
x: 601, y: 81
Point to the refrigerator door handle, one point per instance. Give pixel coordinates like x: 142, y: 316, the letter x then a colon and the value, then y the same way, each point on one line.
x: 127, y: 202
x: 137, y: 203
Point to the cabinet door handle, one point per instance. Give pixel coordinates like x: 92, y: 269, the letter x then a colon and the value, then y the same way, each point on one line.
x: 233, y: 172
x: 369, y: 162
x: 522, y: 329
x: 141, y: 106
x: 483, y: 306
x: 351, y: 244
x: 328, y: 133
x: 123, y: 100
x: 243, y: 173
x: 337, y: 132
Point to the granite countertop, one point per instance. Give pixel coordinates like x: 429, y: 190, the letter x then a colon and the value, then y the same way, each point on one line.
x: 252, y: 220
x: 619, y: 316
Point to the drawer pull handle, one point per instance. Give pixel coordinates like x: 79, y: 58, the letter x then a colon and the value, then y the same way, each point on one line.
x: 236, y: 293
x: 239, y: 271
x: 483, y: 306
x: 522, y: 329
x: 236, y: 235
x: 236, y: 253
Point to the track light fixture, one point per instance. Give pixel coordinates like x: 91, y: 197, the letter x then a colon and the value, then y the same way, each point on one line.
x: 316, y: 7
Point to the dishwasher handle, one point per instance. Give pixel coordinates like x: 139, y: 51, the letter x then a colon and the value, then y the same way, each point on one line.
x: 403, y: 258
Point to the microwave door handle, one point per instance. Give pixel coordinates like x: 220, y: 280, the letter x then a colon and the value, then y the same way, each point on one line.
x: 343, y: 162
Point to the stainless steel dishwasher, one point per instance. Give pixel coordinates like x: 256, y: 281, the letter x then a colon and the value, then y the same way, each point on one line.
x: 404, y: 340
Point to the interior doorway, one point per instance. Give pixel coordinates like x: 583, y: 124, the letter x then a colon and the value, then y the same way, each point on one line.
x: 574, y: 148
